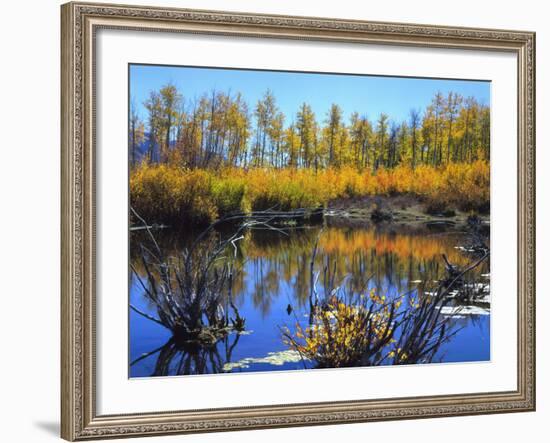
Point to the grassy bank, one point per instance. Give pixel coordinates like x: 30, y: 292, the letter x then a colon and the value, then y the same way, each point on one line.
x: 164, y: 193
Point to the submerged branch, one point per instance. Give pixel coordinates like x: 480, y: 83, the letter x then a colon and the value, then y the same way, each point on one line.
x: 147, y: 316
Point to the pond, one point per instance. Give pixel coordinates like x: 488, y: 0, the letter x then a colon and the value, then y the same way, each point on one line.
x: 272, y: 283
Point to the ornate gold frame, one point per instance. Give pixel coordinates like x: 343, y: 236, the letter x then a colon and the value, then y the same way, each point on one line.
x: 79, y: 22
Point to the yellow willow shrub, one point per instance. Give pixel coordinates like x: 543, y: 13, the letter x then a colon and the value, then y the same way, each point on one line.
x: 477, y: 185
x: 466, y: 186
x: 284, y: 189
x: 370, y: 184
x: 402, y: 180
x: 383, y: 182
x: 330, y: 183
x: 341, y: 335
x: 228, y: 194
x: 425, y: 181
x: 164, y: 193
x: 167, y: 193
x: 350, y: 183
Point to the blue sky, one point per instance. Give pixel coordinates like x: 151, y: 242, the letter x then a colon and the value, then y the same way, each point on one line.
x: 368, y: 95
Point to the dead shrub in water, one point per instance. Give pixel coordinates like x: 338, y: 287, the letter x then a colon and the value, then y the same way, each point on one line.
x: 367, y: 329
x: 178, y: 357
x: 191, y: 292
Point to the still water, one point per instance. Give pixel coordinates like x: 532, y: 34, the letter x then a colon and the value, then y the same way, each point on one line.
x: 272, y: 285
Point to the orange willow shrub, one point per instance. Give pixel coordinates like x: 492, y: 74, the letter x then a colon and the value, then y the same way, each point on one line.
x: 164, y: 193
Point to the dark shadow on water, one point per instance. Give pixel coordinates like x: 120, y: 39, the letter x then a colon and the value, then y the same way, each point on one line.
x: 49, y: 427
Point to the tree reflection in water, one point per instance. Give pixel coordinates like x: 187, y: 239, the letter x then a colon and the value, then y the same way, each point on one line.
x: 178, y: 357
x: 273, y: 273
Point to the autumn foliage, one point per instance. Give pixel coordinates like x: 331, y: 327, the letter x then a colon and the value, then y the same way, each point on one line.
x: 347, y: 335
x: 164, y: 193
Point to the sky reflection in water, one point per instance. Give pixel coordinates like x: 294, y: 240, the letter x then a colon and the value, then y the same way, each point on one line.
x: 275, y: 273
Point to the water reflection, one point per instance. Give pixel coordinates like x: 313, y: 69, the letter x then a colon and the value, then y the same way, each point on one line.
x: 179, y: 358
x: 273, y: 281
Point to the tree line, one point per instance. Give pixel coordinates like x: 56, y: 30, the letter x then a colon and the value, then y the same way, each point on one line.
x: 222, y: 129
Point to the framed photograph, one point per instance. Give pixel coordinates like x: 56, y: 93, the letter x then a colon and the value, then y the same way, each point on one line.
x: 282, y: 221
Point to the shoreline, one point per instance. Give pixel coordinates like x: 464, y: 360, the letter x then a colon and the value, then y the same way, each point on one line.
x: 361, y: 212
x: 397, y: 209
